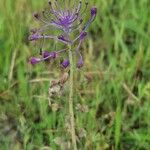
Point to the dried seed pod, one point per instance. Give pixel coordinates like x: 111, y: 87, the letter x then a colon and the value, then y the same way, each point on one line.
x: 64, y: 78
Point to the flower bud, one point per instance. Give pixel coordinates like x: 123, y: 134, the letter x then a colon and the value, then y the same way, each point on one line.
x: 83, y: 35
x: 65, y: 63
x: 80, y: 63
x: 34, y: 60
x: 63, y: 38
x: 47, y: 54
x: 93, y: 11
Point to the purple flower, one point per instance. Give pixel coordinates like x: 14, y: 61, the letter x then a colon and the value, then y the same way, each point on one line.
x: 34, y: 36
x: 83, y: 34
x: 69, y: 20
x: 34, y: 60
x: 80, y: 63
x: 47, y: 54
x: 63, y: 38
x: 65, y: 63
x: 93, y: 11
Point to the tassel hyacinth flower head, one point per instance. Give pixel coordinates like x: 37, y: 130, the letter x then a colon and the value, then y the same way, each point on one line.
x: 69, y: 20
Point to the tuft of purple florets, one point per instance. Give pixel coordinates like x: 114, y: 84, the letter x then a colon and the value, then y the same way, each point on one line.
x: 68, y: 19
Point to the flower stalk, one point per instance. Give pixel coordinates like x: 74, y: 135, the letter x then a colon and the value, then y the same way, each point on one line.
x: 71, y: 111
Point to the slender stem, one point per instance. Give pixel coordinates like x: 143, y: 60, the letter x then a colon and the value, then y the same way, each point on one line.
x: 71, y: 112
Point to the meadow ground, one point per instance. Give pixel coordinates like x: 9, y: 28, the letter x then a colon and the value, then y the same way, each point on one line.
x: 112, y: 91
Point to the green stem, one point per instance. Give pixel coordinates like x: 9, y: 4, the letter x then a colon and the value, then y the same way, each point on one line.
x: 71, y: 112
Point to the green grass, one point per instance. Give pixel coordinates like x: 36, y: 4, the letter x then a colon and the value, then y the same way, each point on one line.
x: 114, y: 84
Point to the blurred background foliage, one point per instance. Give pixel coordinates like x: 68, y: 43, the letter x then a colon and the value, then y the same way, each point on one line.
x: 112, y: 97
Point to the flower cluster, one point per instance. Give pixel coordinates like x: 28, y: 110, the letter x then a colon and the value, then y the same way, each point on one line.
x: 68, y: 20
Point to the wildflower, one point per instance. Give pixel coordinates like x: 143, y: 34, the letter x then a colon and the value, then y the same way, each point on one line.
x: 69, y: 20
